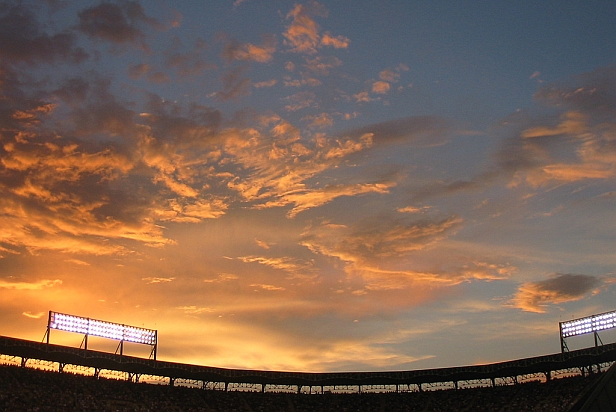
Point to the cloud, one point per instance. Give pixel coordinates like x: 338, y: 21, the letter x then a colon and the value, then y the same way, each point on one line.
x: 266, y: 287
x: 75, y: 183
x: 194, y: 310
x: 573, y: 142
x: 38, y: 285
x: 573, y: 150
x: 22, y: 40
x: 151, y: 280
x: 311, y: 198
x: 276, y: 184
x: 37, y: 315
x: 379, y: 250
x: 236, y: 3
x: 223, y: 277
x: 77, y: 262
x: 288, y: 264
x: 188, y: 63
x: 559, y: 288
x: 338, y: 42
x: 389, y: 75
x: 266, y: 83
x: 262, y: 244
x: 90, y: 167
x: 233, y: 50
x: 322, y: 120
x: 118, y: 23
x: 300, y: 101
x: 362, y: 97
x: 302, y: 35
x: 380, y: 87
x: 572, y: 123
x: 234, y: 85
x: 590, y: 92
x: 322, y: 65
x: 413, y: 209
x: 417, y: 130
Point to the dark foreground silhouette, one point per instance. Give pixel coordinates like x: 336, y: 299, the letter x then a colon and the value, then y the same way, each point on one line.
x: 28, y: 389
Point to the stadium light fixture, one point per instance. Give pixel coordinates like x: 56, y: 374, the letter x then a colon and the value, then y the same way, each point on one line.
x: 103, y: 329
x: 589, y: 324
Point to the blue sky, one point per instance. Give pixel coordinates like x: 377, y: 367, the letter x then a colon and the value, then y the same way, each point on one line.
x: 317, y: 186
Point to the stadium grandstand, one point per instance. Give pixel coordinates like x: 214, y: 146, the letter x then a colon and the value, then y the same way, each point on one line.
x: 41, y: 376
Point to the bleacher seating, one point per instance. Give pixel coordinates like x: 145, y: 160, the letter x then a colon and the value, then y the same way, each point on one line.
x: 29, y: 389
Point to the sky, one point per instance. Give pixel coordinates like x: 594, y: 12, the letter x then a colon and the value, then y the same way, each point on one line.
x: 340, y: 185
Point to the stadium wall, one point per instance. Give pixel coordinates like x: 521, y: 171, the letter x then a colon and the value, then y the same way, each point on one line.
x: 134, y: 367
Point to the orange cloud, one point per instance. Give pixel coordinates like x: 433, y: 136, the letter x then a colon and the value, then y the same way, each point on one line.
x: 322, y: 64
x: 302, y: 35
x: 308, y: 199
x: 572, y: 123
x: 38, y: 285
x: 287, y: 264
x: 560, y: 288
x: 573, y: 150
x: 266, y: 287
x: 380, y: 87
x: 377, y: 252
x: 267, y: 83
x: 389, y: 75
x: 412, y: 209
x: 34, y: 315
x: 338, y: 42
x: 261, y: 54
x: 362, y: 97
x: 151, y: 280
x: 319, y: 121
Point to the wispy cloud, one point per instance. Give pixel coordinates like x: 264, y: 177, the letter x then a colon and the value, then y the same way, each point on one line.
x: 151, y: 280
x: 287, y: 264
x: 37, y: 285
x: 31, y: 315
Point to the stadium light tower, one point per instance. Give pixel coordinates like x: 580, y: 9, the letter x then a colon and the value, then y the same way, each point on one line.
x: 590, y: 324
x: 103, y: 329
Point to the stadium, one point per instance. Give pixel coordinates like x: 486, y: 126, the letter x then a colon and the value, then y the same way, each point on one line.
x: 43, y: 376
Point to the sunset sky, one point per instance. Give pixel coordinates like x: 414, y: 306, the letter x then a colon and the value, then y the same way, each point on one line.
x: 346, y: 185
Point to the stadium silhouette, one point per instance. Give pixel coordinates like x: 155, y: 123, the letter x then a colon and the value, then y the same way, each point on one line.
x: 41, y: 376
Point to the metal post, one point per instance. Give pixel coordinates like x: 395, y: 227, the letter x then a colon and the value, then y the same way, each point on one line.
x: 48, y: 326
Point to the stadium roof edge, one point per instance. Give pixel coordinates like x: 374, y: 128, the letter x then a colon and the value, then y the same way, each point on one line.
x: 108, y: 361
